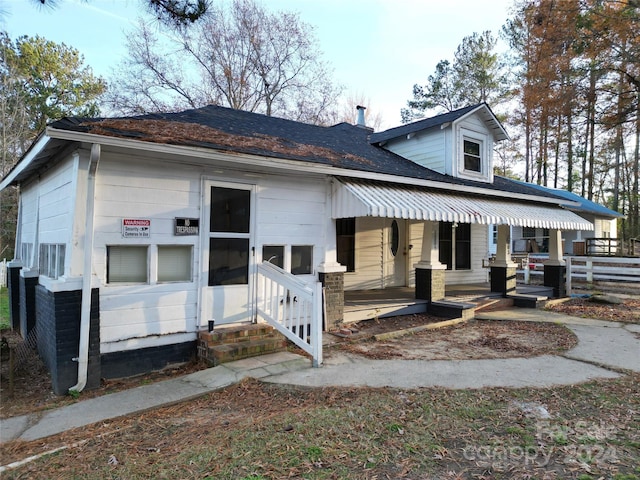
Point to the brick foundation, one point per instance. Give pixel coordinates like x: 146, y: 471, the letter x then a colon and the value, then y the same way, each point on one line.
x: 333, y: 284
x: 58, y: 322
x: 145, y: 360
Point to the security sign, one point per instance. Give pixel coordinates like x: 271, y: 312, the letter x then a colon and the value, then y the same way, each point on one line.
x: 136, y: 228
x: 187, y: 226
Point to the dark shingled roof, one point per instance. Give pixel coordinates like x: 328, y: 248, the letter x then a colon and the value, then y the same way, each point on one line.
x: 420, y: 125
x: 342, y: 145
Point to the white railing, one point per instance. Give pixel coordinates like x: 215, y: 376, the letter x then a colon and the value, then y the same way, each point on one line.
x: 293, y: 307
x: 602, y: 269
x: 3, y: 273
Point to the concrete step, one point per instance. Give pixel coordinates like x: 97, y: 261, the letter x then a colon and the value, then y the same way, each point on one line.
x: 528, y: 301
x: 219, y: 354
x: 450, y: 309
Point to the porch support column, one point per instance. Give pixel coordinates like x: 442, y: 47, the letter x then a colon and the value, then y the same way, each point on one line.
x: 430, y: 273
x: 503, y: 270
x: 555, y: 269
x: 331, y: 275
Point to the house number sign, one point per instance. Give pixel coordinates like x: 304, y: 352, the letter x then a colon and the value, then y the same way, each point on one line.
x: 187, y: 226
x: 136, y: 228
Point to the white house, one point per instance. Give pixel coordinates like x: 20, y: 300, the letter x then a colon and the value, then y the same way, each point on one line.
x: 133, y: 233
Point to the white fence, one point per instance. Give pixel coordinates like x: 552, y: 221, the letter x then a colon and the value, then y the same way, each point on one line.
x: 3, y: 273
x: 293, y: 307
x: 606, y: 271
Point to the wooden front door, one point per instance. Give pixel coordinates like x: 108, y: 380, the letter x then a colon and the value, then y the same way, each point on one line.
x: 395, y: 253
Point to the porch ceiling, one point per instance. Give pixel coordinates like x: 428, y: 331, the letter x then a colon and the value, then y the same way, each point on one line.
x: 373, y: 199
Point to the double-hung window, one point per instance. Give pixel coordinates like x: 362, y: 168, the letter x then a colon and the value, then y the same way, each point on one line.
x: 472, y: 156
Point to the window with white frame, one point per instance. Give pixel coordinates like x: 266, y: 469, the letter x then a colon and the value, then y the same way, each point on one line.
x: 472, y: 155
x: 127, y: 264
x: 273, y: 254
x: 51, y: 260
x: 174, y: 263
x: 302, y: 259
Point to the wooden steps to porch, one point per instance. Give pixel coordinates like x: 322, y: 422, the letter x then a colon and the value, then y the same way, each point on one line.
x: 226, y: 344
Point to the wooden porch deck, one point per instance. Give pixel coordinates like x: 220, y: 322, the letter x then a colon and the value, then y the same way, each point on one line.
x: 362, y: 305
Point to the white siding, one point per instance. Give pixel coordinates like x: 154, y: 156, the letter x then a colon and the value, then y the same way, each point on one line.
x: 369, y: 255
x: 425, y: 148
x: 138, y: 189
x: 288, y: 211
x: 46, y: 208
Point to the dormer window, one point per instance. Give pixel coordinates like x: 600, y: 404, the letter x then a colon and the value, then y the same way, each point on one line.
x: 472, y: 157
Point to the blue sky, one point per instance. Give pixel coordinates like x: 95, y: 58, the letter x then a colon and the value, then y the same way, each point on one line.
x: 377, y: 48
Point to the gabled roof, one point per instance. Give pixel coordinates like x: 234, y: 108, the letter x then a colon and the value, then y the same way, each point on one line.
x: 421, y: 125
x: 584, y: 205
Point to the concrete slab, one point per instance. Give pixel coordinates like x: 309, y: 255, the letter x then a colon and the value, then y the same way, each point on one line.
x: 614, y: 347
x: 543, y: 371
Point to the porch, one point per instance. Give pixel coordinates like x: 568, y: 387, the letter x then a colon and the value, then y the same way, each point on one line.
x: 362, y: 305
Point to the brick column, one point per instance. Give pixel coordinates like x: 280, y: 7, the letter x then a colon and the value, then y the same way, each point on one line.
x: 555, y: 268
x: 430, y: 283
x: 503, y: 279
x: 28, y: 282
x: 333, y: 283
x: 555, y: 277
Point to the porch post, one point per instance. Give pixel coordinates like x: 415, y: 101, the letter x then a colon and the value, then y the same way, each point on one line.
x: 503, y: 270
x: 555, y: 268
x: 430, y: 273
x: 331, y: 275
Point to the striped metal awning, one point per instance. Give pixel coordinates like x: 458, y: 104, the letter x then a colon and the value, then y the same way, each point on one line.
x: 363, y: 198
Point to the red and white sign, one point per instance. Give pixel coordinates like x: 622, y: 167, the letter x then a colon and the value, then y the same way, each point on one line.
x: 136, y: 228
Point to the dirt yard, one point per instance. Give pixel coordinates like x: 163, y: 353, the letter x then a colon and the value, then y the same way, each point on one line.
x: 472, y: 340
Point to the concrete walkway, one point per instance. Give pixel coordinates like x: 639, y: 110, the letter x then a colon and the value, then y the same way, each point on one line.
x: 604, y: 350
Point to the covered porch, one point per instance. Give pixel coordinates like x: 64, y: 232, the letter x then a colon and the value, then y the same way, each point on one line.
x: 435, y: 277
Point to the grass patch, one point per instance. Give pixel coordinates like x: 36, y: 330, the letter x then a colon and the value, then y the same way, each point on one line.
x: 4, y: 308
x: 254, y: 431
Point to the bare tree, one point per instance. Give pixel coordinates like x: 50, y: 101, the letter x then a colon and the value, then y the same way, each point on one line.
x: 241, y: 56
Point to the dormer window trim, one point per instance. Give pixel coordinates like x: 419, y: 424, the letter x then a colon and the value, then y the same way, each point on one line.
x: 482, y: 154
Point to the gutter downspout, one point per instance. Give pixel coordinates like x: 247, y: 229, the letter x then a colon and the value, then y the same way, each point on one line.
x: 85, y: 309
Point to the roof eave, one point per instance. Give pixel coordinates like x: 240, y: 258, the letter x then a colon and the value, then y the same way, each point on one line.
x: 36, y: 147
x: 284, y: 164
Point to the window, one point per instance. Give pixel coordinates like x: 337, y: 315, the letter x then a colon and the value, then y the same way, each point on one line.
x: 228, y: 261
x: 174, y: 263
x: 494, y: 234
x: 273, y: 254
x: 455, y: 242
x: 528, y: 232
x: 463, y: 246
x: 346, y: 242
x: 302, y: 259
x: 127, y: 264
x: 472, y: 158
x: 395, y: 238
x: 230, y: 210
x: 52, y: 260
